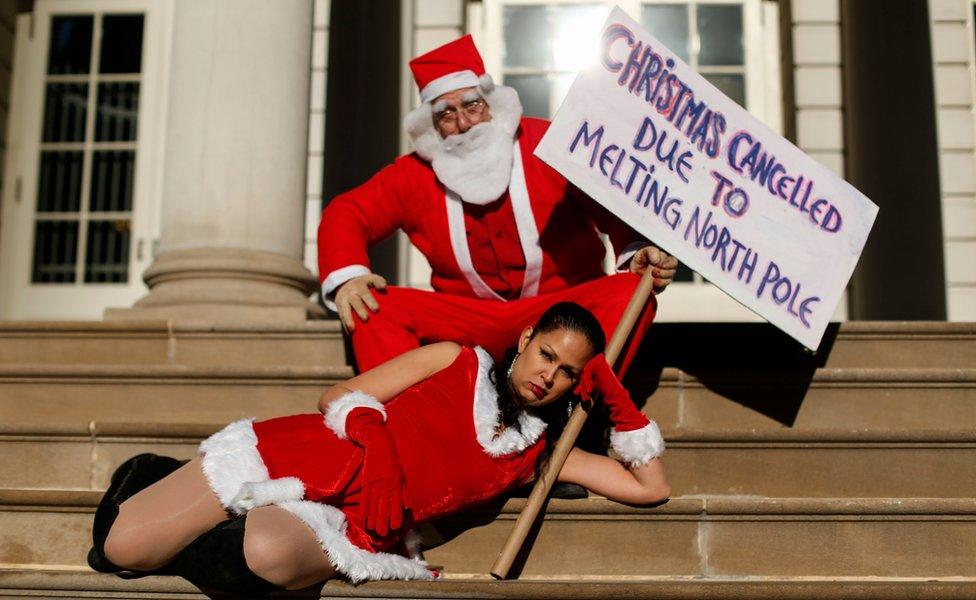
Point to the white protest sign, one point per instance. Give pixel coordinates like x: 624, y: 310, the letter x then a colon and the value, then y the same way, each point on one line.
x: 669, y: 154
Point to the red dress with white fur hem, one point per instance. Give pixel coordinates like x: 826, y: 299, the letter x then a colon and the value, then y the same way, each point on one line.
x: 445, y: 432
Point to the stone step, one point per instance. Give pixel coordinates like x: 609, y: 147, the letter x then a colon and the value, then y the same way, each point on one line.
x: 870, y: 399
x: 16, y: 583
x: 758, y: 346
x: 912, y: 344
x: 764, y: 463
x: 689, y: 537
x: 829, y: 398
x: 309, y: 344
x: 171, y: 394
x: 822, y: 463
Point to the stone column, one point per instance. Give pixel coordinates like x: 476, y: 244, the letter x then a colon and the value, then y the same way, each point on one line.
x: 233, y: 198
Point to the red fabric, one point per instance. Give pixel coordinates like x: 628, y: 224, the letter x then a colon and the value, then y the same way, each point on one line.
x: 303, y: 446
x: 409, y: 317
x: 636, y: 336
x: 459, y: 55
x: 495, y: 253
x: 407, y: 195
x: 423, y: 421
x: 597, y: 378
x: 382, y: 474
x: 428, y: 418
x: 286, y: 443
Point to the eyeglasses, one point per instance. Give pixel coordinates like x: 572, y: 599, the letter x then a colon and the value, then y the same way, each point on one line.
x: 472, y: 109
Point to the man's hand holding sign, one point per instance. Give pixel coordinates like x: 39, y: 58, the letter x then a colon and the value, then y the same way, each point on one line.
x: 669, y: 154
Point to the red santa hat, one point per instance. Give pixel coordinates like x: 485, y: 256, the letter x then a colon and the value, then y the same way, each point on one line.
x: 453, y: 66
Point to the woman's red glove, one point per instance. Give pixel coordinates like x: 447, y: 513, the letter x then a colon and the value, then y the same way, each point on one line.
x: 382, y: 472
x: 635, y: 438
x: 598, y: 377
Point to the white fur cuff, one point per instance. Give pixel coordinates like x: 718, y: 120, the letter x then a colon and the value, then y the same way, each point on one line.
x: 329, y: 525
x: 338, y: 277
x: 639, y: 446
x: 263, y: 493
x: 231, y: 460
x: 339, y: 409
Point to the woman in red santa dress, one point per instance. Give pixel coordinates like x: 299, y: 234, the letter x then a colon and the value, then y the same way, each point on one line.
x: 291, y: 501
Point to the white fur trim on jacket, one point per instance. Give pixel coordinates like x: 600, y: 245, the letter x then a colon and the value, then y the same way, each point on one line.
x: 525, y: 224
x: 459, y: 244
x: 231, y: 460
x: 639, y: 446
x: 487, y: 416
x: 329, y: 525
x: 339, y: 409
x: 338, y: 277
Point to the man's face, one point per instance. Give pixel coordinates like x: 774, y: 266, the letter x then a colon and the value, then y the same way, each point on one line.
x: 460, y: 110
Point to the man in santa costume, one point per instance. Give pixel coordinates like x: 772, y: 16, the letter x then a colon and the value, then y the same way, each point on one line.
x: 506, y: 236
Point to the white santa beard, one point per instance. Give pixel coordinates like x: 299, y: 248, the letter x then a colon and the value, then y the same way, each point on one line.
x: 477, y: 164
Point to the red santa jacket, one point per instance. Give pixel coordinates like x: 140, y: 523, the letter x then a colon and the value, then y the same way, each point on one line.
x: 553, y: 224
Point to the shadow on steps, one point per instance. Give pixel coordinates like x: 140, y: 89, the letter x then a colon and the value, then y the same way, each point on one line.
x: 753, y: 364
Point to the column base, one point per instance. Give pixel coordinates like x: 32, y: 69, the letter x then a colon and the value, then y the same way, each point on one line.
x: 230, y: 285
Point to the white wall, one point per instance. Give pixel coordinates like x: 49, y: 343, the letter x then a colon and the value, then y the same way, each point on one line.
x: 316, y: 130
x: 818, y: 89
x: 817, y: 75
x: 427, y: 24
x: 951, y: 24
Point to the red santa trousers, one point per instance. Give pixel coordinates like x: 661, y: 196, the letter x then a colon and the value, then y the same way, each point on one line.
x: 408, y: 318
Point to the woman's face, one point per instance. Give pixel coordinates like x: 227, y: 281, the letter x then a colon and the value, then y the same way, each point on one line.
x: 548, y: 365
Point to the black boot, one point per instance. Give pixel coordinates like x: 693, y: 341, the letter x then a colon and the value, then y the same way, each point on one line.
x: 215, y: 561
x: 132, y: 476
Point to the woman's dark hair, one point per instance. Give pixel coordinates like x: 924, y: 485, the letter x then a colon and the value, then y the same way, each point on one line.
x: 562, y: 315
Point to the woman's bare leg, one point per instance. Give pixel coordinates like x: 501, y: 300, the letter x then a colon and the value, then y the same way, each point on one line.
x: 281, y: 549
x: 155, y: 524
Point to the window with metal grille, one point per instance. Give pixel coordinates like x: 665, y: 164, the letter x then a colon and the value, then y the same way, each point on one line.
x: 88, y: 147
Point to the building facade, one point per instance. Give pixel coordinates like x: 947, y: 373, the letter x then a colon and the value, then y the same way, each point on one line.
x: 103, y: 121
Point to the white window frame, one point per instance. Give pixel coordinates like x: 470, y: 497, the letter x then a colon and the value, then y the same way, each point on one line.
x: 20, y: 298
x: 760, y: 32
x: 695, y: 301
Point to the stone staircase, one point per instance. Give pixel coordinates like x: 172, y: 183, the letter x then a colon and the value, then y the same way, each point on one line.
x: 846, y: 474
